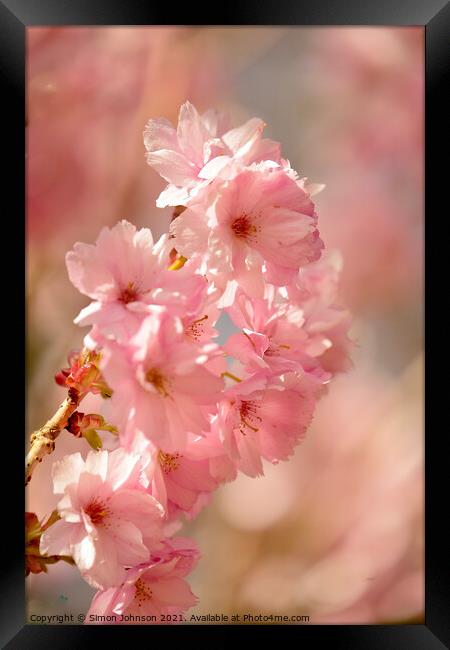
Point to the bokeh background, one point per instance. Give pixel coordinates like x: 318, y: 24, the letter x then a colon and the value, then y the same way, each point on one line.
x: 336, y: 533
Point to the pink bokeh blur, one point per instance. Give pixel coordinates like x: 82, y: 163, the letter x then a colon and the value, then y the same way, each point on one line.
x: 336, y: 533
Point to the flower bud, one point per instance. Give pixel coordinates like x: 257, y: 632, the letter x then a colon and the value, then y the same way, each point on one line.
x: 84, y: 426
x: 35, y: 562
x: 83, y: 374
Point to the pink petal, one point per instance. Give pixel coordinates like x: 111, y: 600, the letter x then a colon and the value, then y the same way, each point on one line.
x: 123, y: 468
x: 172, y: 195
x: 213, y: 168
x: 160, y: 134
x: 199, y: 383
x: 172, y: 166
x: 215, y: 122
x: 174, y: 592
x: 90, y: 486
x: 140, y: 508
x: 194, y: 475
x: 88, y: 273
x: 101, y: 313
x: 183, y: 497
x: 127, y: 539
x: 248, y: 348
x: 241, y: 138
x: 66, y: 471
x: 97, y: 463
x: 191, y: 133
x: 250, y: 457
x: 191, y: 233
x: 84, y: 553
x: 105, y: 571
x: 56, y: 540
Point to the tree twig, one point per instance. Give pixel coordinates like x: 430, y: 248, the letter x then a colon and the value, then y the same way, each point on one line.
x: 43, y: 440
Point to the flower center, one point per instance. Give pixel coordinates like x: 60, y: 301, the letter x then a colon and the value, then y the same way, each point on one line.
x: 143, y: 592
x: 168, y: 462
x: 129, y: 294
x: 244, y: 228
x: 249, y: 416
x: 157, y: 379
x: 97, y: 511
x: 195, y: 330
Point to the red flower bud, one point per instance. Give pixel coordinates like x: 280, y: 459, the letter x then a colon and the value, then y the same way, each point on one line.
x: 81, y: 425
x: 83, y: 374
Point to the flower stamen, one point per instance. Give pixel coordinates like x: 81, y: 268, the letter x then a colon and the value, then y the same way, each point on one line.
x: 244, y: 228
x: 195, y: 330
x: 97, y: 511
x: 129, y: 294
x: 248, y: 414
x: 143, y: 592
x: 155, y: 377
x: 168, y: 462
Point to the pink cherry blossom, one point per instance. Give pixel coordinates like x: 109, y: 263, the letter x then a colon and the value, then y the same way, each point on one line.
x: 150, y: 589
x: 108, y: 519
x: 264, y: 418
x: 272, y: 337
x: 124, y: 272
x: 201, y: 147
x: 259, y: 226
x: 243, y: 238
x: 161, y: 382
x: 183, y: 481
x: 326, y: 323
x: 307, y: 330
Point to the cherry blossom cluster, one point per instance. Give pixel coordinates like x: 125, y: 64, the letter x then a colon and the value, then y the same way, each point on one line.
x: 185, y: 414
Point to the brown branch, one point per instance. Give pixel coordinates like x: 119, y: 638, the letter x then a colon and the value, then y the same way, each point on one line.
x: 43, y: 440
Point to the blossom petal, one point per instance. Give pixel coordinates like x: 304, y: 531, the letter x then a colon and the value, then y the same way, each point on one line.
x: 160, y: 134
x: 56, y: 539
x: 66, y: 471
x: 172, y: 166
x: 241, y: 138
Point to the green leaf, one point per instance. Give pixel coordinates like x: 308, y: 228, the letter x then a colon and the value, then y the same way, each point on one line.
x: 93, y: 439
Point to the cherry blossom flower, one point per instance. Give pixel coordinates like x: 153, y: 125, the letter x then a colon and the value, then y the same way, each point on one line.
x: 150, y: 589
x: 201, y: 148
x: 124, y: 272
x: 183, y: 481
x: 272, y: 335
x: 162, y: 384
x: 326, y: 323
x: 297, y: 327
x: 265, y: 418
x: 260, y: 226
x: 108, y: 519
x: 243, y: 238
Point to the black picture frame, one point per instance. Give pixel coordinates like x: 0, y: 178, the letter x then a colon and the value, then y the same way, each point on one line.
x: 15, y: 17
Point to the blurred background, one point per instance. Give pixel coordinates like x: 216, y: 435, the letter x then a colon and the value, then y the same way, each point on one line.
x: 336, y: 533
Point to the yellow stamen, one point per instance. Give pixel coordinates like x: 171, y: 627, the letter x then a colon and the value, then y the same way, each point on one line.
x: 154, y: 377
x: 178, y: 264
x: 231, y: 376
x: 168, y: 462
